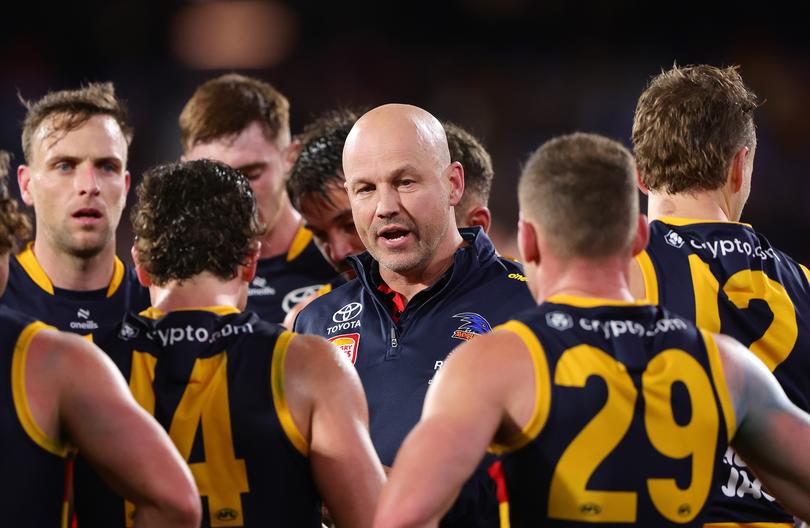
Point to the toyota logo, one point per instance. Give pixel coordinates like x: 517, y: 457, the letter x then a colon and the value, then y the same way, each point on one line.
x: 348, y: 312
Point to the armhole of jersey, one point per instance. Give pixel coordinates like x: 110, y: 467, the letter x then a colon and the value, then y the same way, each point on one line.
x: 542, y: 390
x: 118, y: 276
x: 299, y: 243
x: 650, y: 279
x: 18, y: 362
x: 806, y: 272
x: 279, y: 396
x: 31, y: 266
x: 719, y: 378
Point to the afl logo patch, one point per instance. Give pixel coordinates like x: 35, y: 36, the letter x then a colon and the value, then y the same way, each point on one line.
x: 348, y: 344
x: 674, y: 239
x: 559, y: 320
x: 348, y: 312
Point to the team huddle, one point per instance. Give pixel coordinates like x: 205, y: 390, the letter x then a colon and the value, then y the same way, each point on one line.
x: 318, y: 330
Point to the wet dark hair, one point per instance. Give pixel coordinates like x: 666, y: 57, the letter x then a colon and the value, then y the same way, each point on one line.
x: 320, y: 160
x: 194, y: 217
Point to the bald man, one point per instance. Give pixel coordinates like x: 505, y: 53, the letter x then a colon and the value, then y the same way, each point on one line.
x: 423, y: 287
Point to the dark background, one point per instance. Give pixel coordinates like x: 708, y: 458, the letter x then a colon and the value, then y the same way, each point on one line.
x: 514, y: 72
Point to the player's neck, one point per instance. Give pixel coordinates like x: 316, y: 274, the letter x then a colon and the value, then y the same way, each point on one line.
x: 412, y: 282
x: 201, y: 291
x: 279, y: 238
x: 706, y: 205
x: 604, y: 279
x: 70, y: 272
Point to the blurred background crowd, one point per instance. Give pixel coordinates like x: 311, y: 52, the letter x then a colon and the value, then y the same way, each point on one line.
x: 513, y: 72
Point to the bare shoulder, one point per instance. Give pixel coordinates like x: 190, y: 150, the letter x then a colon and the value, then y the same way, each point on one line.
x: 315, y: 367
x: 489, y: 351
x: 62, y: 349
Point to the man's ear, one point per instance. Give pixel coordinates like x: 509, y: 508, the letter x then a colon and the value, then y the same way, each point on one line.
x: 642, y: 235
x: 640, y: 183
x: 143, y: 276
x: 23, y: 180
x: 291, y: 154
x: 248, y: 271
x: 737, y: 170
x: 528, y: 243
x: 478, y: 216
x: 455, y: 176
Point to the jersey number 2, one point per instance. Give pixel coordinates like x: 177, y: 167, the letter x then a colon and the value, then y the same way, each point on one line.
x: 569, y: 496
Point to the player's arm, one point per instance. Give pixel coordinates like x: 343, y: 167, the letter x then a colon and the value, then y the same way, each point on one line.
x: 88, y: 403
x: 329, y: 408
x: 772, y: 433
x: 481, y: 393
x: 292, y: 315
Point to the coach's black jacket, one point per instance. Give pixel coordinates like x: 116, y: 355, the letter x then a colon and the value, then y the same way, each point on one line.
x: 396, y: 361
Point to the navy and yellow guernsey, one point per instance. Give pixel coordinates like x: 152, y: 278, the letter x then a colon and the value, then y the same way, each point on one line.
x: 631, y: 417
x: 728, y: 278
x: 283, y: 281
x: 82, y: 312
x: 398, y: 349
x: 214, y: 378
x: 33, y: 465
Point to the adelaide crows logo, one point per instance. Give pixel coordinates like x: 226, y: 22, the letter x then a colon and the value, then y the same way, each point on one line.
x: 473, y: 325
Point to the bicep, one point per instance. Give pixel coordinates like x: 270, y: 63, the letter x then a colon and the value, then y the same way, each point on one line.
x: 120, y: 440
x: 344, y: 464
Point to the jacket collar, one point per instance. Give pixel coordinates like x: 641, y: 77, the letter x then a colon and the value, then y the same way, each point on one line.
x: 476, y: 253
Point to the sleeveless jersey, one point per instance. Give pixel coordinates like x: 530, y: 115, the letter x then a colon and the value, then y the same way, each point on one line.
x: 214, y: 379
x: 33, y: 465
x: 283, y: 281
x: 631, y: 417
x: 80, y: 312
x: 728, y: 278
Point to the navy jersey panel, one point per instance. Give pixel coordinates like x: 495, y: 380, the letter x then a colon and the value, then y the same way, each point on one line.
x: 279, y: 489
x: 283, y: 281
x: 761, y: 298
x: 33, y: 486
x: 397, y: 361
x: 630, y: 337
x: 80, y: 312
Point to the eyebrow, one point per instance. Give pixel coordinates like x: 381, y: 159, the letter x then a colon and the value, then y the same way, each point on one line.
x: 58, y: 158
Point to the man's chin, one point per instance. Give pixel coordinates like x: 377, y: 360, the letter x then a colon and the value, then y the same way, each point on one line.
x: 87, y: 248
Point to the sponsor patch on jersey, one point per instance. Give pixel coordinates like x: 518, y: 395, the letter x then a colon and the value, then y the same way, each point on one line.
x: 348, y: 344
x: 298, y: 295
x: 559, y: 320
x: 674, y: 239
x: 260, y: 287
x: 517, y: 276
x: 348, y: 312
x: 128, y: 332
x: 85, y: 323
x: 473, y: 324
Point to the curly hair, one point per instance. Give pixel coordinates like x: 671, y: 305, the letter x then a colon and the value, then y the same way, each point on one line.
x: 194, y: 217
x: 320, y: 160
x: 74, y: 108
x: 689, y: 123
x: 15, y: 226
